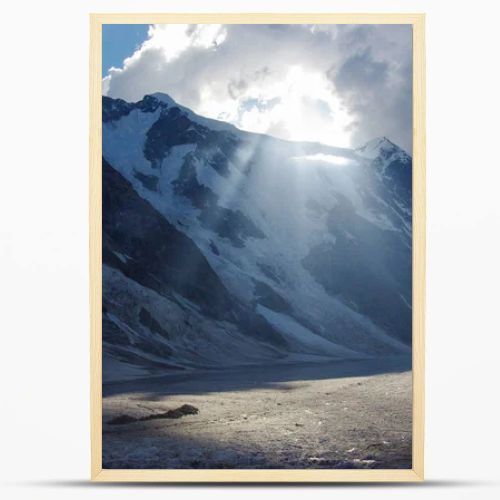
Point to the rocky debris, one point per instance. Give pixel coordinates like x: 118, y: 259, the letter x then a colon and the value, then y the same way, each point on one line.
x: 369, y: 436
x: 175, y: 413
x: 122, y: 420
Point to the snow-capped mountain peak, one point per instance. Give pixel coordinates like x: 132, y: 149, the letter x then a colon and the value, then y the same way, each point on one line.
x: 230, y: 247
x: 169, y: 102
x: 164, y: 98
x: 379, y: 146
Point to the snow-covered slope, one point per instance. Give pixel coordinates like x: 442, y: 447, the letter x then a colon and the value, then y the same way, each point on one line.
x: 260, y: 250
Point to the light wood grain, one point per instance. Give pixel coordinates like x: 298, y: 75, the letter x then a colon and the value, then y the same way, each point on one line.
x: 419, y: 249
x: 95, y: 251
x: 418, y: 224
x: 263, y: 475
x: 256, y: 18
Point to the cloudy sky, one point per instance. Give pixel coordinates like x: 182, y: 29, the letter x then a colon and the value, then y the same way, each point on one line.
x: 337, y: 84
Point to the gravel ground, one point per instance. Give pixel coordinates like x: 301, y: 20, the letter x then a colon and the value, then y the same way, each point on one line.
x: 353, y: 414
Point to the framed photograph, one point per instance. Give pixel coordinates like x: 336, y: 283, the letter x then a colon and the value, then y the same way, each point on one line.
x: 257, y: 247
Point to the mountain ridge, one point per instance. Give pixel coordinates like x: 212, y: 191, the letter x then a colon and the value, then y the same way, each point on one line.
x: 170, y: 102
x: 312, y: 243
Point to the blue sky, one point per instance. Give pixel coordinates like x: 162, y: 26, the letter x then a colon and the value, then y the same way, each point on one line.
x: 120, y: 41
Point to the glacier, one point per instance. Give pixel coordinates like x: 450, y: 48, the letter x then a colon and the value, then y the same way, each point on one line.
x: 227, y: 248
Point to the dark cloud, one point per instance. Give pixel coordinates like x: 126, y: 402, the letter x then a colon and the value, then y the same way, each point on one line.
x: 360, y: 73
x: 381, y: 101
x: 375, y: 82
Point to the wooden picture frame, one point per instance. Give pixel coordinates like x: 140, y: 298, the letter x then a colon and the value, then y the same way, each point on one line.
x: 418, y: 312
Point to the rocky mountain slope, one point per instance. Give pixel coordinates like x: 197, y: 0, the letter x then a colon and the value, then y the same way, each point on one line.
x: 223, y: 247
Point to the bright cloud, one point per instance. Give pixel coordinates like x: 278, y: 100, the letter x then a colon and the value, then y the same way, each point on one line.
x: 174, y: 39
x: 340, y: 85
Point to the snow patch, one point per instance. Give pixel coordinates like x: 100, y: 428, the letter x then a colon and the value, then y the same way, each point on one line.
x: 335, y: 160
x: 294, y: 331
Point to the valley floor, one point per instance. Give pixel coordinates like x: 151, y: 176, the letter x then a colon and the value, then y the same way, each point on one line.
x: 351, y: 414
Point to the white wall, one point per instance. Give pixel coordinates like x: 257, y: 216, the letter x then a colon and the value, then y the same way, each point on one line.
x: 43, y: 246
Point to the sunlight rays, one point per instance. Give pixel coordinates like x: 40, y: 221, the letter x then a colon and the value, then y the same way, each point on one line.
x: 300, y: 106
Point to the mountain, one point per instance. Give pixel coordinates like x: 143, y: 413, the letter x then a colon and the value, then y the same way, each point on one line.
x: 223, y: 247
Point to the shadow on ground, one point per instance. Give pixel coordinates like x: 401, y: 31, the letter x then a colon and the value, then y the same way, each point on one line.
x: 430, y: 484
x: 252, y: 377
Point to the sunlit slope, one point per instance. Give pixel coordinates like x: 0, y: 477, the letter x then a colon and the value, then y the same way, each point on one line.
x: 311, y: 244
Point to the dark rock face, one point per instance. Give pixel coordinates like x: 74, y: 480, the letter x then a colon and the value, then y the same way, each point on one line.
x: 159, y: 256
x: 219, y: 162
x: 150, y: 322
x: 148, y: 181
x: 230, y: 224
x: 114, y: 109
x: 269, y: 298
x: 146, y: 248
x: 271, y: 272
x: 399, y: 175
x: 149, y: 104
x: 255, y: 326
x: 187, y: 185
x: 395, y: 166
x: 173, y: 128
x: 214, y: 248
x: 115, y: 338
x: 367, y: 267
x: 112, y: 334
x: 219, y: 148
x: 232, y: 221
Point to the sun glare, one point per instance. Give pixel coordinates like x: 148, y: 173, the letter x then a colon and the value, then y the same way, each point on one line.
x: 311, y: 111
x: 295, y: 102
x: 302, y: 106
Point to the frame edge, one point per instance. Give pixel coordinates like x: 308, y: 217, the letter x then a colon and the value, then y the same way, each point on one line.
x: 98, y: 474
x: 247, y: 476
x: 95, y: 242
x: 419, y: 245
